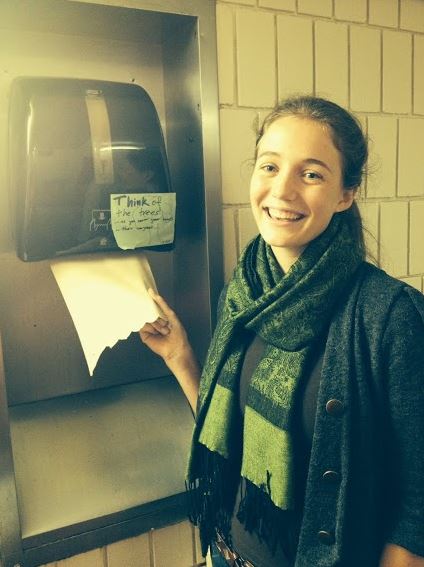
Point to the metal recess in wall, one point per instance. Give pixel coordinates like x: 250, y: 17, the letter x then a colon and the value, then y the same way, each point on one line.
x: 85, y: 461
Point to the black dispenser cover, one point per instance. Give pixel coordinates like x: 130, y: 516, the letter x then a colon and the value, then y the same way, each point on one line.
x: 73, y: 143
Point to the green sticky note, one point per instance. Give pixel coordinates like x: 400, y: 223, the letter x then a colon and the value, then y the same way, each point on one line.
x: 142, y: 219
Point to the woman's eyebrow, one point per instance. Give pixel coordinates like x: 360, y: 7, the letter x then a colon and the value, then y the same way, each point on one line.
x: 317, y: 162
x: 268, y: 153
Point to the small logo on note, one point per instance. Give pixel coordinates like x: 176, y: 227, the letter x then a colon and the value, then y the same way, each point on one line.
x: 100, y: 220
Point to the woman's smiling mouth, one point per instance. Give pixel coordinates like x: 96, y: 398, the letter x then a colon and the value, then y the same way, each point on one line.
x: 283, y: 214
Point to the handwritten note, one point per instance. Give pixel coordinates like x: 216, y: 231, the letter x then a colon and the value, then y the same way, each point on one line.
x: 142, y: 219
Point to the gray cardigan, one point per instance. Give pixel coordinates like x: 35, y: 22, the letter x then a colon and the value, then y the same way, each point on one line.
x: 366, y: 474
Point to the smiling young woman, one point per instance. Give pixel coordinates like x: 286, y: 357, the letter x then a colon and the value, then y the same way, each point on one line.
x: 296, y: 186
x: 309, y: 438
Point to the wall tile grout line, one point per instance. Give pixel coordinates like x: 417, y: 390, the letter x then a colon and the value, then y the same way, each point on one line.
x: 235, y: 82
x: 277, y: 61
x: 151, y: 549
x: 408, y: 240
x: 193, y: 544
x: 314, y: 73
x: 349, y: 67
x: 412, y: 73
x: 397, y: 156
x: 236, y: 221
x: 378, y: 233
x: 236, y: 62
x: 382, y: 70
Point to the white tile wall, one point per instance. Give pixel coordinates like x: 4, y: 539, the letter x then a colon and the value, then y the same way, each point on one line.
x: 247, y: 227
x: 134, y: 555
x: 316, y: 7
x: 331, y: 61
x: 411, y: 155
x: 394, y: 237
x: 245, y: 2
x: 414, y: 281
x: 230, y: 248
x: 397, y: 73
x: 256, y: 58
x: 295, y: 66
x: 382, y: 133
x: 289, y: 5
x: 363, y: 121
x: 237, y: 150
x: 418, y: 92
x: 383, y: 12
x: 412, y: 15
x: 416, y: 243
x: 226, y: 53
x: 94, y: 558
x: 370, y: 219
x: 365, y: 68
x: 173, y: 546
x: 197, y: 547
x: 353, y: 11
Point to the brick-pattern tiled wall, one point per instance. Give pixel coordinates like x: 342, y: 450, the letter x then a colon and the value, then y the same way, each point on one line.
x: 364, y: 54
x: 174, y: 546
x: 367, y: 55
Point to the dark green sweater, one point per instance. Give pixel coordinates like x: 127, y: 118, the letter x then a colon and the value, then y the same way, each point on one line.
x: 371, y: 435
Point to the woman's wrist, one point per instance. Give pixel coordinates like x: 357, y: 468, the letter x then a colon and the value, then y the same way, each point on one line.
x: 182, y: 361
x: 186, y: 369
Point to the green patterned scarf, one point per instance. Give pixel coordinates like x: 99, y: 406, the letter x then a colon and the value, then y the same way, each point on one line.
x: 291, y: 313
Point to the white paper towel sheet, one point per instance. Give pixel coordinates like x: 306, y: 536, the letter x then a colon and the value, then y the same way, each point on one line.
x: 107, y: 297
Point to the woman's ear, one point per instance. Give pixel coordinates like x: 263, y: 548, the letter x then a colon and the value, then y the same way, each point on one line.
x: 346, y: 201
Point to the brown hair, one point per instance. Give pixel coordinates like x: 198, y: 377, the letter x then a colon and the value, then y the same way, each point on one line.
x: 347, y: 136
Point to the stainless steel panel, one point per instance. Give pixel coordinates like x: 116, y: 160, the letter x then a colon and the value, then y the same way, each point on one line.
x: 10, y: 531
x: 88, y: 455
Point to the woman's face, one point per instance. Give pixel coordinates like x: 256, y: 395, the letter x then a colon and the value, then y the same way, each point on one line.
x: 296, y: 186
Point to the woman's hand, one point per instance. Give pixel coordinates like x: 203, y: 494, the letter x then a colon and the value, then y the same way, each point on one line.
x: 167, y: 338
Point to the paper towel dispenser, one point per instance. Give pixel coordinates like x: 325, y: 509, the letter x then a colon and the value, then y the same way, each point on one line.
x: 73, y: 144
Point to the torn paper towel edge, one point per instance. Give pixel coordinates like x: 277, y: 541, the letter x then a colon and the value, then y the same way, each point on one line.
x: 107, y: 297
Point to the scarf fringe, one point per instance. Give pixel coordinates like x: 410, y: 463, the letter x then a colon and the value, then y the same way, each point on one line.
x: 211, y: 500
x: 272, y: 525
x: 211, y: 497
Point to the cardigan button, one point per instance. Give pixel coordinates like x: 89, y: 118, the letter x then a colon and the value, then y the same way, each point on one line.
x: 325, y: 537
x: 331, y: 477
x: 334, y: 407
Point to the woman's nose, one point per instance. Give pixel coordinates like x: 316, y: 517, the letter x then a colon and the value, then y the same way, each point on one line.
x: 284, y: 186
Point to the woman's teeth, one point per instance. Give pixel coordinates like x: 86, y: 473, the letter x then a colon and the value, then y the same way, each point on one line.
x: 276, y: 214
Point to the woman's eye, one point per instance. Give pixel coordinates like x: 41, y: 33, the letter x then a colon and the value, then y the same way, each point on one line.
x: 268, y: 168
x: 312, y: 175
